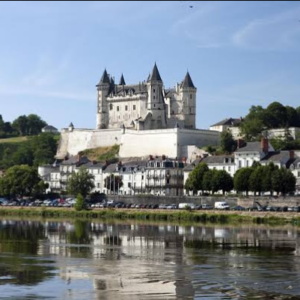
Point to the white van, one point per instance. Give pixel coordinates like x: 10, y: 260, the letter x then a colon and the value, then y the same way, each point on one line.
x: 222, y: 205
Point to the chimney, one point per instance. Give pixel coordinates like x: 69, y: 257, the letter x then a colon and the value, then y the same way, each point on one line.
x: 292, y: 154
x: 106, y: 163
x: 239, y: 143
x: 150, y: 157
x: 264, y: 144
x: 183, y: 159
x: 163, y: 157
x: 79, y: 155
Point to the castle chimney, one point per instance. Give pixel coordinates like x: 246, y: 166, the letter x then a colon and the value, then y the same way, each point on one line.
x: 264, y: 144
x: 163, y: 157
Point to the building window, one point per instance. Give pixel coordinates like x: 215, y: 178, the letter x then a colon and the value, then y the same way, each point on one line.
x: 154, y: 105
x: 154, y: 97
x: 223, y: 168
x: 240, y: 163
x: 153, y: 90
x: 158, y: 165
x: 247, y: 163
x: 129, y: 184
x: 98, y: 185
x: 190, y: 110
x: 110, y: 106
x: 229, y: 169
x: 298, y: 174
x: 134, y: 107
x: 168, y: 181
x: 142, y: 177
x: 118, y: 108
x: 126, y: 107
x: 191, y: 96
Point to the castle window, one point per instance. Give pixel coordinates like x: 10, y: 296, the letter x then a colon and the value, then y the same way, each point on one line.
x: 134, y: 107
x: 154, y: 97
x: 154, y: 105
x: 126, y: 107
x: 191, y: 96
x: 118, y: 108
x: 190, y: 110
x: 110, y: 106
x: 153, y: 90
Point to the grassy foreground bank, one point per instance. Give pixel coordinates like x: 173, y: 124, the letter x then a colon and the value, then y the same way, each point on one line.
x: 156, y: 215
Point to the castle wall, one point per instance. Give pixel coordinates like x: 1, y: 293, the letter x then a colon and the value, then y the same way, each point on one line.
x: 169, y: 142
x: 72, y: 142
x: 146, y: 142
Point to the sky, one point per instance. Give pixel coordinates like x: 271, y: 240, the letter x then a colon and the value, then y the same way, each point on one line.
x: 52, y: 54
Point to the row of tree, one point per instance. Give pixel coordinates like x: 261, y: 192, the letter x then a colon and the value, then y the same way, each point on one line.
x: 275, y: 115
x: 38, y: 150
x: 204, y: 179
x: 256, y: 179
x: 268, y: 178
x: 22, y: 126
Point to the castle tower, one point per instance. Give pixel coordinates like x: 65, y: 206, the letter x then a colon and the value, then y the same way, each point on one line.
x: 187, y: 93
x: 103, y: 88
x: 155, y: 103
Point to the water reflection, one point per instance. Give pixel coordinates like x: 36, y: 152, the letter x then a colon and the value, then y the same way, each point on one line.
x: 147, y: 261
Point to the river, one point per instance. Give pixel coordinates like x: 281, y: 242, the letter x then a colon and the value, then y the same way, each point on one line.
x: 133, y: 260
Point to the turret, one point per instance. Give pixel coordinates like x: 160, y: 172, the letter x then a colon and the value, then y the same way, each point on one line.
x: 71, y: 127
x: 103, y: 89
x: 188, y: 92
x: 122, y: 80
x: 155, y: 104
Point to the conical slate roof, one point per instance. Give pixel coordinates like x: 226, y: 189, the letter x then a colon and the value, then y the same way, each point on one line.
x: 187, y: 82
x: 104, y: 78
x: 155, y: 76
x: 122, y: 80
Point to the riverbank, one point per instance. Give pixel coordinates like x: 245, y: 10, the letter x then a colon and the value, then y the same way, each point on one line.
x: 272, y: 218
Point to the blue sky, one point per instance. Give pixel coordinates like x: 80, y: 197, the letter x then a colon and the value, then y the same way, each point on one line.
x: 239, y: 54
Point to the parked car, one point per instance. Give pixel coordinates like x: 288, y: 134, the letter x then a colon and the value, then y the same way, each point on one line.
x: 222, y: 205
x: 206, y: 206
x: 239, y: 208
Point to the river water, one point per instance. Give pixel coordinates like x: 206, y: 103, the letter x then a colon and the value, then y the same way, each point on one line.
x: 133, y: 260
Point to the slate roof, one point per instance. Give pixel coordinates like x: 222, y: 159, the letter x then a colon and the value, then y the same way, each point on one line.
x: 73, y: 160
x: 111, y: 168
x: 218, y: 159
x: 277, y: 156
x: 192, y: 165
x: 187, y: 82
x: 250, y: 147
x: 104, y: 78
x: 95, y: 165
x: 155, y: 76
x: 122, y: 80
x: 228, y: 121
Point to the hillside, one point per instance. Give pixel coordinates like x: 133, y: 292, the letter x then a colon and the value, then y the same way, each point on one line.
x: 18, y: 139
x: 103, y: 154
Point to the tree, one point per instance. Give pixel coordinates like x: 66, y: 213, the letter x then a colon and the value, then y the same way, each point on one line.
x: 195, y: 178
x: 242, y: 180
x: 221, y: 181
x: 19, y: 181
x: 207, y: 183
x: 255, y: 180
x: 227, y: 143
x: 21, y: 125
x: 79, y: 205
x: 293, y: 119
x: 35, y: 124
x: 81, y: 182
x: 268, y: 172
x: 113, y: 183
x: 276, y: 115
x: 283, y: 181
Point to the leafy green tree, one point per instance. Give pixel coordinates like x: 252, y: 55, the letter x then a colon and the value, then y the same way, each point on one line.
x: 80, y: 204
x: 252, y: 129
x: 276, y: 115
x: 81, y: 182
x: 227, y: 143
x: 293, y: 119
x: 20, y: 125
x: 242, y: 180
x: 35, y: 124
x: 207, y: 183
x: 195, y: 178
x: 283, y: 181
x: 19, y: 181
x: 268, y: 172
x: 113, y: 183
x: 221, y: 181
x: 256, y: 179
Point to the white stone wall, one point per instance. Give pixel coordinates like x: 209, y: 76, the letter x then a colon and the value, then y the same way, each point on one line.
x: 72, y: 142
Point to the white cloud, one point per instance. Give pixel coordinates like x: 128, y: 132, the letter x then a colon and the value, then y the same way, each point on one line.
x: 277, y: 32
